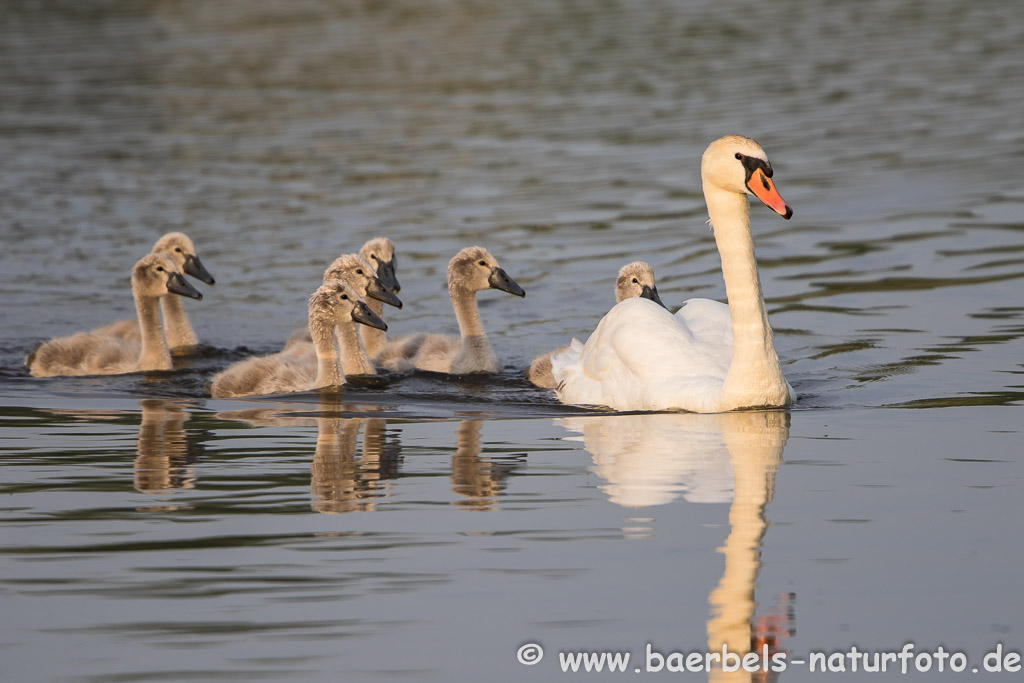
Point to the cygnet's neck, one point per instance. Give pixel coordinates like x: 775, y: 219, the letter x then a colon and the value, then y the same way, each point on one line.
x: 322, y: 332
x: 373, y: 339
x: 476, y: 354
x: 755, y: 375
x: 354, y: 360
x: 154, y: 354
x: 179, y: 330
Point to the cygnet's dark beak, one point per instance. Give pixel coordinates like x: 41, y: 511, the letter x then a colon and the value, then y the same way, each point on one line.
x: 177, y: 284
x: 499, y: 279
x: 194, y: 267
x: 386, y: 273
x: 378, y: 290
x: 652, y: 294
x: 362, y: 314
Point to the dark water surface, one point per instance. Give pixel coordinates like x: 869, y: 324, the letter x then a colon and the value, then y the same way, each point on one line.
x: 423, y: 528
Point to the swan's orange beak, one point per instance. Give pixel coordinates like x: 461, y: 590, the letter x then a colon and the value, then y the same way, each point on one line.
x: 764, y: 189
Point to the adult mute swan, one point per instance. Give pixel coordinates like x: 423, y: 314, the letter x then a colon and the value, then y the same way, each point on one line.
x: 333, y: 305
x: 471, y: 270
x: 181, y: 338
x: 634, y: 279
x: 87, y: 353
x: 709, y: 357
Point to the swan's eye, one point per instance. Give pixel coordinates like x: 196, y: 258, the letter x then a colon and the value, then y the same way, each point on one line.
x: 739, y: 156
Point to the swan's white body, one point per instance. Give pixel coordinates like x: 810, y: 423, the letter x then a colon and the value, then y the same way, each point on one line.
x: 709, y: 357
x: 634, y: 279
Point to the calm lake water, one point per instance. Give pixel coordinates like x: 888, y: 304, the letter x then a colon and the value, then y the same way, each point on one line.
x: 420, y: 528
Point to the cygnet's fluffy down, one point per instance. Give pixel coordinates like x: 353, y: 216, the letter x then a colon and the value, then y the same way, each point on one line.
x: 154, y: 276
x: 333, y: 307
x: 471, y: 270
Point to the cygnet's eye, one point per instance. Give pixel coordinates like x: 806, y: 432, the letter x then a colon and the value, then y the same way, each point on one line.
x: 635, y: 281
x: 177, y: 249
x: 160, y: 269
x: 483, y: 263
x: 374, y: 257
x: 344, y: 297
x: 359, y: 271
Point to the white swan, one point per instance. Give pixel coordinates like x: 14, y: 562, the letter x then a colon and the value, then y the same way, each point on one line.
x: 471, y: 270
x: 634, y: 279
x: 709, y: 357
x: 358, y: 273
x: 88, y: 353
x: 181, y: 338
x: 333, y: 305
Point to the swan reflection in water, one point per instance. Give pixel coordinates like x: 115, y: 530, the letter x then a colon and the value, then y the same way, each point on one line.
x: 654, y: 459
x: 479, y: 481
x: 349, y: 476
x: 346, y: 476
x: 166, y: 453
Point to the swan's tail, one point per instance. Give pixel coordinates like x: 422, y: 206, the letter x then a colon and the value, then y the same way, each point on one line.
x: 565, y: 364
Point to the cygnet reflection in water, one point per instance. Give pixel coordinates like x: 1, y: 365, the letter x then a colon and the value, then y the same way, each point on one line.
x: 348, y: 479
x: 479, y: 481
x: 345, y: 477
x: 166, y: 457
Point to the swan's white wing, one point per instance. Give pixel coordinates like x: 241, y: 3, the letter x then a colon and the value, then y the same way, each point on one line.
x: 641, y: 357
x: 711, y: 326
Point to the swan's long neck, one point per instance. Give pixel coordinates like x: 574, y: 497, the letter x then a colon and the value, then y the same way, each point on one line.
x: 179, y: 329
x: 354, y: 360
x: 373, y: 339
x: 154, y: 354
x: 755, y: 375
x: 322, y: 332
x: 476, y: 354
